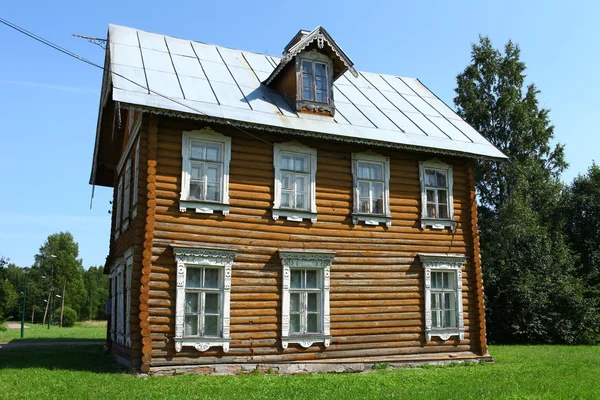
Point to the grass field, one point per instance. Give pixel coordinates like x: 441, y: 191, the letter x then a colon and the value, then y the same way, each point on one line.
x: 87, y: 330
x: 520, y: 372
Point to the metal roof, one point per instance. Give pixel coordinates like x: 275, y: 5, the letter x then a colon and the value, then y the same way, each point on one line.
x: 223, y: 83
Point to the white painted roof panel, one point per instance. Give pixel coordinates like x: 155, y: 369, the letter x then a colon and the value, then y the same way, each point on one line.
x: 226, y: 83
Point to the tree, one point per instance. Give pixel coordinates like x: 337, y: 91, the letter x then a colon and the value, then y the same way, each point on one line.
x: 581, y: 208
x: 8, y: 294
x: 57, y: 261
x: 532, y: 293
x: 96, y: 285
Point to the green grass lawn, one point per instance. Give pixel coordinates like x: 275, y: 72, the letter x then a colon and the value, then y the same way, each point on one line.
x: 520, y: 372
x: 87, y: 330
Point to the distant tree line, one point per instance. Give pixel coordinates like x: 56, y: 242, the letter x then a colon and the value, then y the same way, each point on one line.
x: 57, y: 279
x: 540, y: 238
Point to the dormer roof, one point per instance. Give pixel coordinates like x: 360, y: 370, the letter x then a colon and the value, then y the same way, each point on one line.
x: 303, y: 40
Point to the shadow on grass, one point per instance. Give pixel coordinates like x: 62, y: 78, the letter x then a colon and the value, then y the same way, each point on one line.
x: 91, y: 358
x: 60, y: 339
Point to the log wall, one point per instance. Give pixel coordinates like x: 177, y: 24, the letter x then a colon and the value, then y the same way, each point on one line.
x: 377, y: 294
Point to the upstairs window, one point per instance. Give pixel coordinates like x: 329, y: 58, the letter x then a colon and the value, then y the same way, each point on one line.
x: 295, y: 171
x: 437, y: 209
x: 205, y: 174
x: 314, y: 81
x: 371, y: 189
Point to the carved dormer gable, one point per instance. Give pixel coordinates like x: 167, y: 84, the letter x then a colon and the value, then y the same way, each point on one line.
x: 311, y: 62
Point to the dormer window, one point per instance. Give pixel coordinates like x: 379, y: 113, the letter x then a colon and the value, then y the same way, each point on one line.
x: 314, y: 81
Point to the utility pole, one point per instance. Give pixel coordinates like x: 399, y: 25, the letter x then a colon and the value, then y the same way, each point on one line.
x: 51, y: 292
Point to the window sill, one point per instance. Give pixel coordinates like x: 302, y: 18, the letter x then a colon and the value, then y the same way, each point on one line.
x: 371, y: 219
x: 202, y: 344
x: 445, y: 334
x: 306, y: 340
x: 294, y: 215
x: 203, y: 207
x: 315, y: 106
x: 438, y: 223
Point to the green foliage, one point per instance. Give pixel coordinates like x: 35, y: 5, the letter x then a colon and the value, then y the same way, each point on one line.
x: 96, y: 286
x: 533, y: 293
x: 69, y: 317
x: 380, y: 366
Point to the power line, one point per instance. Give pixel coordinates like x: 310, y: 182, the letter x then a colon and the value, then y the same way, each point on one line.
x: 93, y: 64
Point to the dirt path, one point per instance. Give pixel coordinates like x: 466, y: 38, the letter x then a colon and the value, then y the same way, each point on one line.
x: 14, y: 325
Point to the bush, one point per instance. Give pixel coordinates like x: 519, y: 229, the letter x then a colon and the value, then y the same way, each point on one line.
x: 69, y: 317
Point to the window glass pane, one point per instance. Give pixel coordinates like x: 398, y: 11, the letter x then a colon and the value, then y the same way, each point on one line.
x: 443, y: 211
x: 321, y: 83
x: 301, y: 184
x: 377, y: 172
x: 429, y: 177
x: 295, y: 323
x: 436, y: 319
x: 286, y: 199
x: 294, y: 302
x: 449, y: 302
x: 307, y: 81
x: 213, y: 152
x: 211, y: 303
x: 311, y: 279
x: 450, y: 319
x: 450, y: 280
x: 319, y: 69
x: 436, y: 301
x: 436, y: 280
x: 312, y: 323
x: 430, y: 195
x: 213, y: 173
x: 313, y: 302
x: 363, y: 170
x: 363, y: 205
x: 197, y: 171
x: 193, y: 278
x: 301, y: 201
x: 196, y: 190
x: 191, y: 325
x: 307, y: 94
x: 286, y: 161
x: 296, y: 279
x: 212, y: 192
x: 377, y: 188
x: 198, y: 150
x: 321, y: 96
x: 301, y: 163
x: 286, y: 181
x: 441, y: 178
x: 307, y: 67
x: 431, y: 211
x: 191, y: 302
x: 377, y: 206
x: 442, y: 196
x: 211, y: 278
x: 211, y: 325
x: 363, y: 189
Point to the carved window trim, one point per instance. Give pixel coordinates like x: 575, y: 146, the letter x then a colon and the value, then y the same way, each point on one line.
x: 443, y: 262
x: 437, y: 223
x: 314, y: 56
x: 118, y: 205
x: 126, y: 196
x: 371, y: 218
x: 195, y: 256
x: 290, y: 214
x: 118, y: 301
x: 128, y: 276
x: 306, y: 259
x: 136, y: 178
x: 204, y: 206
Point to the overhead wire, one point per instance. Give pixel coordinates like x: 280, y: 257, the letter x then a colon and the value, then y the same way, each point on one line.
x: 85, y: 60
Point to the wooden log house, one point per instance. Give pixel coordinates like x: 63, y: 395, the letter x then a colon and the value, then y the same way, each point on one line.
x: 284, y: 211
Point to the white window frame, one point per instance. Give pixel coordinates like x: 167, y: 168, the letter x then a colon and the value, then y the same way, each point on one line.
x: 370, y: 218
x: 314, y: 56
x: 117, y: 319
x: 136, y: 177
x: 443, y: 263
x: 205, y: 206
x: 118, y: 205
x: 437, y: 223
x: 290, y: 214
x: 306, y: 259
x: 126, y: 196
x: 128, y: 275
x: 202, y: 257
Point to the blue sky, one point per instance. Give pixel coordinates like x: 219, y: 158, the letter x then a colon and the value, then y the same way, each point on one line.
x: 49, y: 102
